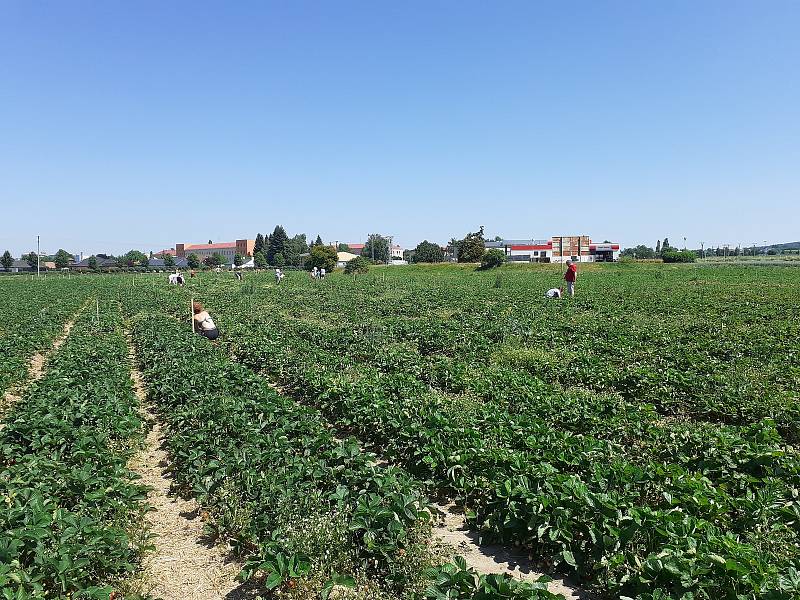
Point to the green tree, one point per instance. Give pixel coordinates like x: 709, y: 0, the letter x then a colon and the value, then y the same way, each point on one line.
x: 62, y: 258
x: 359, y: 264
x: 7, y: 260
x: 134, y: 257
x: 215, y: 260
x: 343, y: 248
x: 428, y: 252
x: 472, y: 247
x: 193, y: 261
x: 678, y: 256
x: 640, y: 251
x: 259, y: 260
x: 295, y: 248
x: 32, y: 259
x: 92, y: 262
x: 376, y: 248
x: 658, y: 248
x: 277, y: 244
x: 494, y: 257
x: 318, y: 241
x: 665, y: 245
x: 169, y: 261
x: 238, y: 260
x: 278, y: 260
x: 259, y: 245
x: 322, y: 257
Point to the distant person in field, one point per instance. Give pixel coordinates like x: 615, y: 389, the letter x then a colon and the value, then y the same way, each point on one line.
x: 322, y: 273
x: 570, y: 276
x: 238, y: 275
x: 554, y: 293
x: 314, y: 273
x: 203, y: 323
x: 278, y: 275
x: 173, y: 279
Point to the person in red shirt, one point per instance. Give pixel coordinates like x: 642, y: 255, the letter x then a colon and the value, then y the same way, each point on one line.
x: 570, y: 276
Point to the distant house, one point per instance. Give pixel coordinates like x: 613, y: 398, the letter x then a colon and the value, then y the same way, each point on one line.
x: 102, y: 263
x: 342, y: 258
x: 158, y: 263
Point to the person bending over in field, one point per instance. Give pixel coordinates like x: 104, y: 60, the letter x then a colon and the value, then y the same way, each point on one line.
x: 570, y: 276
x: 203, y: 323
x: 554, y: 293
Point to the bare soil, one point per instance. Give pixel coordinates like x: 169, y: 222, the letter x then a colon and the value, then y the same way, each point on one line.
x: 451, y: 530
x: 185, y: 564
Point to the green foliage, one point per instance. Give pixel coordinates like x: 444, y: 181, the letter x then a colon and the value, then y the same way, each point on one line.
x: 62, y: 258
x: 343, y: 248
x: 640, y: 251
x: 428, y: 252
x: 359, y: 264
x: 278, y: 260
x: 193, y: 261
x: 32, y: 260
x: 72, y: 508
x: 295, y: 248
x: 238, y: 260
x: 169, y: 261
x: 260, y: 261
x: 259, y: 244
x: 678, y: 256
x: 376, y: 248
x: 135, y: 257
x: 472, y: 247
x: 494, y: 257
x: 7, y: 260
x: 322, y: 257
x: 277, y: 245
x: 92, y: 263
x: 215, y: 260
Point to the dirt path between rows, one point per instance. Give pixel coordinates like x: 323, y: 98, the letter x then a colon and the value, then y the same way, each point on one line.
x: 451, y: 529
x: 186, y: 564
x: 36, y: 366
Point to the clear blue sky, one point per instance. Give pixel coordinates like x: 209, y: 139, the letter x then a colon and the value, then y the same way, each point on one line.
x: 139, y: 124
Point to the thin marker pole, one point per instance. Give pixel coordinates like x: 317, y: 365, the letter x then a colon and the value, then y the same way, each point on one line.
x: 191, y: 312
x: 98, y: 309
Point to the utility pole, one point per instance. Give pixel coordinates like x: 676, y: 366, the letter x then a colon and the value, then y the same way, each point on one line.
x: 37, y: 256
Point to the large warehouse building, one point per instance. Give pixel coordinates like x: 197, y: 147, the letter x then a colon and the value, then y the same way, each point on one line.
x: 226, y: 249
x: 579, y: 248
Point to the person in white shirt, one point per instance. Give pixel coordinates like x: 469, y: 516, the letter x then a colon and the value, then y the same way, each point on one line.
x: 203, y: 323
x: 554, y: 292
x: 322, y: 273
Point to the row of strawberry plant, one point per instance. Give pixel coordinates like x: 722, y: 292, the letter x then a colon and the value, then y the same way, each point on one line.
x: 745, y: 460
x: 32, y: 313
x: 71, y: 524
x: 304, y: 508
x: 569, y: 497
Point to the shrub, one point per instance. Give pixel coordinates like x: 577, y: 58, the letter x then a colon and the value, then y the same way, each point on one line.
x: 322, y: 257
x: 492, y: 258
x: 675, y: 256
x: 359, y: 264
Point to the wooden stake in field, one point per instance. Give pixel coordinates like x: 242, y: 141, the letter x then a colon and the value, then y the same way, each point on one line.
x: 191, y: 313
x: 97, y: 306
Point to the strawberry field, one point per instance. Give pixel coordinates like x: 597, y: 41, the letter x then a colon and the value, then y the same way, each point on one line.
x: 639, y: 439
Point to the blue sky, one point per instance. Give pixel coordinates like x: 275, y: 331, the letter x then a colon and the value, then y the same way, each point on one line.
x: 139, y: 124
